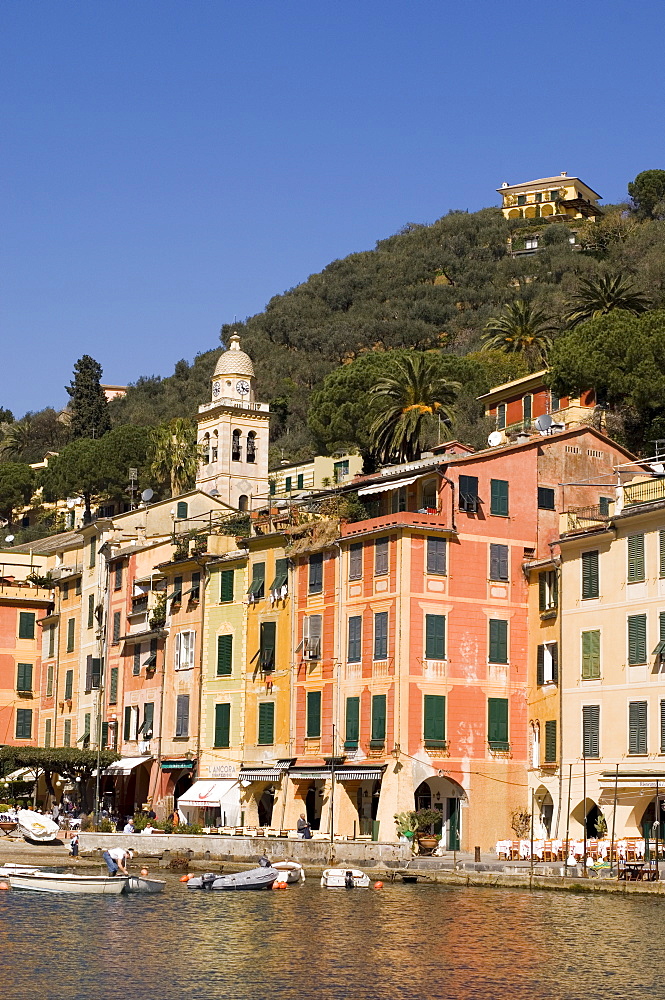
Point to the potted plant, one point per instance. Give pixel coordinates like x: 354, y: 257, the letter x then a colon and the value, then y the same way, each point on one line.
x: 425, y: 819
x: 406, y: 824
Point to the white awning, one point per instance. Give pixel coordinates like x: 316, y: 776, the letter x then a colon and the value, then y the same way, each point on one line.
x: 223, y: 795
x: 126, y: 765
x: 395, y: 484
x: 361, y: 774
x: 22, y: 774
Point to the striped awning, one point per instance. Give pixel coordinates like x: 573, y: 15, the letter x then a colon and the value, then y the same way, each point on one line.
x: 364, y: 774
x: 395, y: 484
x: 260, y: 774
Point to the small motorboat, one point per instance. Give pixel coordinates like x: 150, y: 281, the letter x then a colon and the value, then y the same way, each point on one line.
x: 139, y: 883
x: 344, y: 878
x: 255, y: 878
x: 35, y: 826
x: 41, y: 881
x: 290, y: 871
x: 12, y: 869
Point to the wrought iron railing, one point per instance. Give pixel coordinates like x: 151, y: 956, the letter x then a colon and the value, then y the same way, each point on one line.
x: 582, y: 518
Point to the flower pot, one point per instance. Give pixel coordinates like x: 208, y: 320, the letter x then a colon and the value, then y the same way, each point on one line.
x: 427, y: 842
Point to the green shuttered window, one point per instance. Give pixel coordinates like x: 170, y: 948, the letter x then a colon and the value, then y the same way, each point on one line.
x: 661, y: 552
x: 550, y: 741
x: 226, y: 585
x: 499, y: 497
x: 26, y: 625
x: 224, y: 655
x: 662, y: 726
x: 498, y: 562
x: 381, y: 635
x: 258, y: 585
x: 590, y: 654
x: 356, y: 561
x: 182, y: 715
x: 352, y: 727
x: 434, y: 720
x: 497, y: 723
x: 113, y: 686
x: 498, y: 640
x: 315, y: 573
x: 71, y: 625
x: 69, y: 684
x: 591, y: 731
x: 67, y: 733
x: 435, y: 637
x: 313, y: 714
x: 354, y: 642
x: 436, y: 555
x: 637, y: 639
x: 268, y: 644
x: 635, y: 558
x: 378, y: 720
x: 637, y: 727
x: 590, y: 579
x: 24, y: 677
x: 266, y: 723
x: 222, y: 725
x: 23, y: 723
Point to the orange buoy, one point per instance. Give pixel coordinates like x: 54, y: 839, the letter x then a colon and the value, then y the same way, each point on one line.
x: 144, y: 872
x: 275, y: 885
x: 378, y: 885
x: 3, y: 885
x: 185, y: 878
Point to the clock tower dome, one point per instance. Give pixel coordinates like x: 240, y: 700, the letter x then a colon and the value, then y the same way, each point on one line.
x: 233, y: 434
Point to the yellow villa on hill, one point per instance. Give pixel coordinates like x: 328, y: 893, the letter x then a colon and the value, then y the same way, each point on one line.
x: 560, y: 197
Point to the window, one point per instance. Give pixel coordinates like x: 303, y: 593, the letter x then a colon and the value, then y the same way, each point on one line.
x: 24, y: 678
x: 23, y: 723
x: 591, y: 730
x: 435, y: 637
x: 93, y: 673
x: 236, y: 453
x: 243, y: 501
x: 176, y: 594
x: 146, y: 727
x: 127, y: 724
x: 266, y: 723
x: 434, y: 716
x: 257, y: 587
x: 136, y: 666
x: 381, y: 556
x: 181, y: 510
x: 352, y: 724
x: 313, y: 730
x: 69, y: 684
x: 116, y: 627
x: 300, y: 481
x: 26, y: 625
x: 278, y: 587
x: 546, y: 498
x: 288, y: 484
x: 590, y: 577
x: 538, y: 196
x: 591, y: 654
x: 554, y: 195
x: 184, y: 650
x: 91, y: 610
x: 65, y: 591
x: 547, y: 671
x: 48, y: 732
x: 311, y: 628
x: 251, y: 446
x: 497, y: 724
x: 113, y: 686
x: 429, y: 495
x: 222, y: 725
x: 356, y: 561
x: 521, y: 199
x: 637, y: 639
x: 550, y: 741
x: 267, y: 645
x: 381, y: 635
x: 51, y: 641
x: 499, y: 497
x: 398, y: 500
x: 637, y: 727
x: 635, y: 558
x: 151, y: 662
x: 316, y: 573
x: 341, y: 470
x: 436, y: 556
x: 195, y: 591
x: 353, y: 651
x: 93, y: 553
x: 49, y: 681
x: 84, y: 739
x: 77, y: 586
x: 468, y: 494
x: 182, y: 715
x: 498, y: 562
x: 661, y: 553
x: 226, y: 584
x: 662, y: 726
x: 548, y: 591
x: 498, y: 640
x: 378, y: 721
x: 272, y: 487
x: 604, y: 505
x: 501, y: 417
x: 117, y: 578
x: 67, y: 733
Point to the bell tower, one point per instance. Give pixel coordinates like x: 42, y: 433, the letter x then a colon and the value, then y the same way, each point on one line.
x: 233, y: 434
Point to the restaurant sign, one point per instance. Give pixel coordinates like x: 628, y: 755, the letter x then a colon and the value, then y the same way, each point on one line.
x: 176, y: 765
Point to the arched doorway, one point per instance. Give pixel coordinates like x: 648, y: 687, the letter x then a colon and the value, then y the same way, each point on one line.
x: 595, y: 822
x: 265, y: 806
x: 184, y: 782
x: 444, y: 796
x: 545, y: 806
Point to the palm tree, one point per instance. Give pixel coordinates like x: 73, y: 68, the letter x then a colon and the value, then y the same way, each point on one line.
x: 17, y: 439
x: 408, y: 406
x: 521, y: 328
x: 600, y: 296
x: 174, y: 456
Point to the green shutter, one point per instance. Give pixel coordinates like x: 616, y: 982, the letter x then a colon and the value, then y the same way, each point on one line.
x: 434, y: 727
x: 91, y: 610
x: 268, y: 641
x: 591, y: 730
x: 352, y: 727
x: 127, y: 728
x: 550, y: 741
x: 540, y: 666
x: 637, y: 727
x: 590, y: 584
x: 635, y: 558
x: 378, y: 719
x: 69, y: 684
x: 497, y: 723
x: 67, y: 733
x: 499, y: 497
x: 258, y: 584
x: 590, y: 654
x: 498, y: 644
x: 266, y: 723
x: 226, y: 585
x: 181, y: 511
x: 93, y: 552
x: 281, y: 574
x: 223, y: 725
x: 48, y: 731
x: 26, y: 625
x: 661, y: 626
x: 353, y: 654
x: 542, y: 592
x: 105, y: 735
x: 313, y: 714
x: 435, y: 637
x: 71, y: 624
x: 24, y: 677
x: 637, y: 639
x: 224, y: 655
x: 661, y: 552
x: 662, y: 726
x: 113, y: 686
x: 23, y: 723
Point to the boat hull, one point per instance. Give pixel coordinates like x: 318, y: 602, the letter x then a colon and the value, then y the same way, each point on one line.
x: 255, y: 878
x: 72, y: 884
x: 34, y: 826
x: 290, y: 871
x: 335, y: 878
x: 137, y: 883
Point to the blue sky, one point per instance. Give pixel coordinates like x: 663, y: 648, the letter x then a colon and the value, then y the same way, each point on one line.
x: 167, y: 165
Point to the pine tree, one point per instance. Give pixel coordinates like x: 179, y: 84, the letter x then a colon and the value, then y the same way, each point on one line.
x: 90, y: 411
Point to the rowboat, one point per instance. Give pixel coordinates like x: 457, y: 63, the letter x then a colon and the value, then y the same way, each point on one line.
x: 292, y: 871
x: 35, y: 826
x: 255, y: 878
x: 344, y: 878
x: 11, y: 869
x: 40, y: 881
x: 138, y: 883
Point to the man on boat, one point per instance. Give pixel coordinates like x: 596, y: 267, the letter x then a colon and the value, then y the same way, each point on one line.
x: 116, y: 859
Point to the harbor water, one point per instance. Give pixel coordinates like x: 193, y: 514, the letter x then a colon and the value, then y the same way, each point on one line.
x: 402, y: 941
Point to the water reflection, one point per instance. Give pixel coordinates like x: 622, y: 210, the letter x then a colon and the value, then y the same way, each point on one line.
x: 400, y: 942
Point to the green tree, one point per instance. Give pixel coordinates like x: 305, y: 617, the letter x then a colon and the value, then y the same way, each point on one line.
x: 173, y: 455
x: 70, y: 763
x: 409, y: 405
x: 17, y: 483
x: 647, y: 192
x: 523, y: 328
x: 599, y: 296
x: 90, y: 411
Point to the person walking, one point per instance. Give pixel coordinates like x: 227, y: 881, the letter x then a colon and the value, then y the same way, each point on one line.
x: 116, y: 859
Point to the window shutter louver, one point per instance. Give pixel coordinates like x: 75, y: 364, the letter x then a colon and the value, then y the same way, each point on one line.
x: 355, y: 636
x: 499, y: 497
x: 661, y: 552
x: 356, y: 561
x: 113, y: 687
x: 381, y: 635
x: 268, y: 640
x: 24, y: 677
x: 182, y: 715
x: 26, y: 625
x: 497, y: 727
x: 127, y: 727
x: 69, y: 684
x: 635, y: 558
x: 662, y: 726
x: 637, y: 639
x: 222, y: 725
x: 224, y: 655
x: 435, y: 637
x: 352, y: 727
x: 590, y: 586
x: 554, y: 651
x: 540, y: 667
x: 590, y: 654
x: 266, y: 723
x: 378, y: 718
x: 313, y: 714
x: 71, y: 624
x: 591, y: 730
x: 434, y: 728
x: 498, y: 644
x: 637, y: 727
x: 542, y: 592
x: 226, y: 585
x: 550, y: 741
x: 88, y: 673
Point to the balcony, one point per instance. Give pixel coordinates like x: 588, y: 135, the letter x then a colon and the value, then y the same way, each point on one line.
x: 420, y: 520
x: 644, y: 491
x: 584, y: 518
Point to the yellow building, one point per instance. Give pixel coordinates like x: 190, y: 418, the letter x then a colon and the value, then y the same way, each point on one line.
x: 561, y: 197
x: 321, y: 472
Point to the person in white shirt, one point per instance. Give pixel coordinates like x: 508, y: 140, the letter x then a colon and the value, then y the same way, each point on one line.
x: 116, y: 859
x: 129, y: 826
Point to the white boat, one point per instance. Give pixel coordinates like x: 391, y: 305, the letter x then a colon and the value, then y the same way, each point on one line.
x: 11, y: 869
x: 344, y: 878
x: 51, y: 882
x: 35, y: 826
x: 139, y: 883
x: 291, y: 869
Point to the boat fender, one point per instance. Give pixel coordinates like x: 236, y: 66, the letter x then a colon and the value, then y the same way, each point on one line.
x: 144, y: 872
x: 378, y: 885
x: 183, y: 878
x: 4, y: 885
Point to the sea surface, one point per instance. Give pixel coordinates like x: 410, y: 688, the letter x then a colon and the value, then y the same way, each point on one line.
x: 402, y: 941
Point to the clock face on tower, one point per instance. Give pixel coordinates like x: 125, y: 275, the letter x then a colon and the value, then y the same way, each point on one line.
x: 242, y: 386
x: 216, y: 389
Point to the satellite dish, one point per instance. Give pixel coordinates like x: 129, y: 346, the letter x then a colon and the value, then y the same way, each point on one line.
x: 9, y: 538
x: 495, y: 438
x: 147, y: 495
x: 214, y: 493
x: 71, y: 502
x: 658, y: 468
x: 543, y: 423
